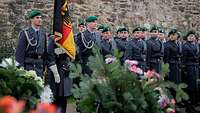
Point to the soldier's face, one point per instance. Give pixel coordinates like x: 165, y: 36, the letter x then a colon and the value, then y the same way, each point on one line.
x: 154, y: 33
x: 174, y: 36
x: 107, y: 35
x: 81, y: 28
x: 92, y: 25
x: 137, y: 34
x: 162, y: 36
x: 191, y: 38
x: 119, y: 34
x: 125, y: 34
x: 36, y: 21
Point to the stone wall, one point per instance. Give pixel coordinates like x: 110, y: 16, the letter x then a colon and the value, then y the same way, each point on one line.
x: 182, y: 14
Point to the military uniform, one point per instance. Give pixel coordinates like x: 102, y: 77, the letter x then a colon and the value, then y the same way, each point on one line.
x: 62, y: 89
x: 155, y: 52
x: 121, y: 44
x: 107, y: 46
x: 190, y: 60
x: 172, y: 56
x: 135, y: 51
x: 85, y: 42
x: 57, y: 56
x: 31, y: 50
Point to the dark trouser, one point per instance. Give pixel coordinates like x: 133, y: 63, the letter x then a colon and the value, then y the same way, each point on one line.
x: 155, y: 65
x: 190, y: 78
x: 175, y: 72
x: 61, y: 104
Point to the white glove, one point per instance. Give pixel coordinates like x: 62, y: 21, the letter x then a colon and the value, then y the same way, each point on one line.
x: 55, y: 73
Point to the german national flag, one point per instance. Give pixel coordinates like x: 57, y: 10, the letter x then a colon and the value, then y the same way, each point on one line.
x: 62, y: 28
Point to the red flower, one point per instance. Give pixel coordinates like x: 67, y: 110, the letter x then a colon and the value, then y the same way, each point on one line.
x: 9, y: 104
x: 44, y: 108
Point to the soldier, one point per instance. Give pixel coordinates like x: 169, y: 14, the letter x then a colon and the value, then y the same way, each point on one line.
x: 146, y: 33
x: 162, y: 35
x: 31, y: 47
x: 190, y: 60
x: 121, y: 43
x: 107, y: 43
x: 81, y: 25
x: 99, y: 34
x: 119, y: 33
x: 136, y: 49
x: 155, y: 51
x: 172, y: 56
x: 81, y: 28
x: 85, y: 42
x: 58, y: 75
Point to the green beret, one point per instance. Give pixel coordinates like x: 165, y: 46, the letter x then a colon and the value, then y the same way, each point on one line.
x: 119, y: 29
x: 179, y: 35
x: 81, y: 22
x: 154, y: 28
x: 100, y: 27
x: 34, y: 12
x: 189, y: 33
x: 161, y: 30
x: 124, y: 29
x: 91, y: 18
x: 145, y: 29
x: 172, y: 31
x: 105, y: 29
x: 137, y: 29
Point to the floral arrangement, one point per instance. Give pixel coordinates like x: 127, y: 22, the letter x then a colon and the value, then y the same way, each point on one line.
x: 23, y: 85
x: 113, y: 88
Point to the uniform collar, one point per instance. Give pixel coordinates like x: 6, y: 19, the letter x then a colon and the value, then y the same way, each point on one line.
x: 35, y: 29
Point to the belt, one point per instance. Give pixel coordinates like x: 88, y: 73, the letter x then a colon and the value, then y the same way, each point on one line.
x: 34, y: 56
x: 32, y: 60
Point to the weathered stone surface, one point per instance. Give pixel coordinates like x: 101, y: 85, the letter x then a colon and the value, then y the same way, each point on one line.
x: 168, y: 13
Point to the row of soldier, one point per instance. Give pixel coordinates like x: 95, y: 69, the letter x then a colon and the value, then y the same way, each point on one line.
x: 149, y: 48
x: 33, y: 54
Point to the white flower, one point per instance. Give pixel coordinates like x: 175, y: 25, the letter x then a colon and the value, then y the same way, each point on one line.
x: 6, y: 62
x: 33, y: 74
x: 110, y: 60
x: 47, y: 95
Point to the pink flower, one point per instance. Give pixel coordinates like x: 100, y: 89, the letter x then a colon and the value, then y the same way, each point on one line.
x: 135, y: 69
x: 163, y: 101
x: 131, y: 62
x: 150, y: 73
x: 173, y: 101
